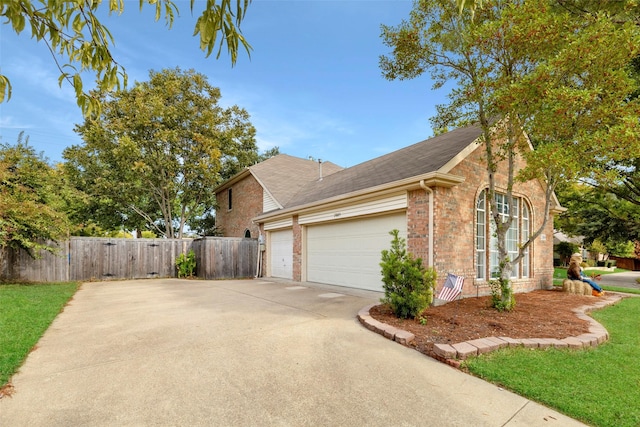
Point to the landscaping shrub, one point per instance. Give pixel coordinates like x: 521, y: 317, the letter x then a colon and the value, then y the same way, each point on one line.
x: 408, y: 286
x: 186, y: 264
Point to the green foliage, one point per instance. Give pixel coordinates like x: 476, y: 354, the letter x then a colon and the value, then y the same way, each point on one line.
x: 598, y: 386
x: 73, y: 32
x: 600, y: 215
x: 534, y: 64
x: 151, y: 159
x: 27, y: 311
x: 502, y: 298
x: 186, y: 264
x: 33, y: 200
x: 408, y: 286
x: 565, y: 250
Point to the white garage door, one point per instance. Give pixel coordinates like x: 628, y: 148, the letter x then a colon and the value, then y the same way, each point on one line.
x: 349, y: 253
x: 281, y: 254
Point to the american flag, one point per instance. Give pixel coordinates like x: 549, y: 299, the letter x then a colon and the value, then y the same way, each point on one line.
x: 452, y: 287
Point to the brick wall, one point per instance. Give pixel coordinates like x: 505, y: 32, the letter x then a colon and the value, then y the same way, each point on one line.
x: 246, y: 205
x: 418, y: 224
x: 454, y: 226
x: 297, y: 250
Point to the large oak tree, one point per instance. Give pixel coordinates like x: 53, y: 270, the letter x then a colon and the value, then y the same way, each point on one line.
x: 152, y: 157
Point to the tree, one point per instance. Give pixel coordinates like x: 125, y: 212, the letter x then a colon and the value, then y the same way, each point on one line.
x: 565, y: 250
x: 153, y: 156
x: 598, y: 214
x: 73, y: 32
x: 523, y: 65
x: 32, y: 203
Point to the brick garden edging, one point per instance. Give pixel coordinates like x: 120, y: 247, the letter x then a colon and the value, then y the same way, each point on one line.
x: 452, y: 354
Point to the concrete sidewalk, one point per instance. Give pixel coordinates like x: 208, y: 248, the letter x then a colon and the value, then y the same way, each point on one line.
x: 242, y: 353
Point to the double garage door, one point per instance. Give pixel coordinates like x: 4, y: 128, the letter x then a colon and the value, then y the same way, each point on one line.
x: 346, y: 253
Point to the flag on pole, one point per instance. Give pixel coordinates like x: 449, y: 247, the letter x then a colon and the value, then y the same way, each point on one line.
x: 452, y: 287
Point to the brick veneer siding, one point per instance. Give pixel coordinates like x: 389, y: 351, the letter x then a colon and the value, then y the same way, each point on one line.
x: 246, y: 205
x: 454, y: 226
x: 297, y: 250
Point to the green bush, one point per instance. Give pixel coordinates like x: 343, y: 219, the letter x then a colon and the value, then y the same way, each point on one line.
x: 502, y: 298
x: 186, y: 264
x: 408, y: 286
x: 565, y: 249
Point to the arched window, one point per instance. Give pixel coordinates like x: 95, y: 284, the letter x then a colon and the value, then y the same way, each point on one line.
x: 247, y: 233
x: 487, y: 260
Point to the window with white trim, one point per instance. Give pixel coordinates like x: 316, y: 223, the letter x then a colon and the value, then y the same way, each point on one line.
x: 487, y: 260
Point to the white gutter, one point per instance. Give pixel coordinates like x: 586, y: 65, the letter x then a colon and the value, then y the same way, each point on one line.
x: 430, y: 192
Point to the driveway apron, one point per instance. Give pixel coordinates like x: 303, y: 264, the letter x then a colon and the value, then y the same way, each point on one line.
x: 242, y: 353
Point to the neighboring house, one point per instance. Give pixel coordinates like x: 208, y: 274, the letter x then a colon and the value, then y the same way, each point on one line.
x: 558, y: 237
x: 332, y: 230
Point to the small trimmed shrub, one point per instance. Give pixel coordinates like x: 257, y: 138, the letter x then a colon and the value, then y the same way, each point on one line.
x: 408, y: 286
x: 186, y: 264
x: 500, y: 288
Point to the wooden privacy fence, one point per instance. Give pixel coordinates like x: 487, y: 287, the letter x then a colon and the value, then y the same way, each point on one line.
x: 91, y: 258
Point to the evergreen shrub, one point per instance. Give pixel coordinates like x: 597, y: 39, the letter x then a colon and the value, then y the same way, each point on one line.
x: 408, y: 285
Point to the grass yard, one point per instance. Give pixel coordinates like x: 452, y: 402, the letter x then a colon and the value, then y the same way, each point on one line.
x: 26, y: 311
x: 599, y: 386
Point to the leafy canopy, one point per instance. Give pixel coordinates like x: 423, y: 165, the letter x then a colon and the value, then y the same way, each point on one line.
x: 76, y: 37
x: 526, y: 65
x: 152, y: 157
x: 32, y: 200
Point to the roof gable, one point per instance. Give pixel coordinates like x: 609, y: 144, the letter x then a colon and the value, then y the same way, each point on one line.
x: 283, y: 176
x: 418, y: 159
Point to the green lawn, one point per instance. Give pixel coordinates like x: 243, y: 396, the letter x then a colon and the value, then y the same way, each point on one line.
x: 26, y: 311
x: 599, y: 386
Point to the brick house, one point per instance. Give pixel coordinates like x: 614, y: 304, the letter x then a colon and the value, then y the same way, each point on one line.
x: 331, y: 228
x: 264, y: 187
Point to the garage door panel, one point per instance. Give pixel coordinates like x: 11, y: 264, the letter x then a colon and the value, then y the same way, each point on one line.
x: 349, y: 253
x: 281, y: 254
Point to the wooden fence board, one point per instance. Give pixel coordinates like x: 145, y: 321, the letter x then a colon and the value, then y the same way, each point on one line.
x: 94, y: 258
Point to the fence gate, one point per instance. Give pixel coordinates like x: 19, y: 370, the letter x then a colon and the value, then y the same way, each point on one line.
x: 104, y: 258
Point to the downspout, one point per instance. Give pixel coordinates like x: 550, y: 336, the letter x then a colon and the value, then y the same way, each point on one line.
x: 430, y: 192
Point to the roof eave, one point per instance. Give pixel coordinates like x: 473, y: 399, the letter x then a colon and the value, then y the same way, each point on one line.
x: 431, y: 179
x: 233, y: 180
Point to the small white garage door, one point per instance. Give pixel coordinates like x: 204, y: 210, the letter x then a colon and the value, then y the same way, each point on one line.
x: 348, y: 253
x: 281, y: 253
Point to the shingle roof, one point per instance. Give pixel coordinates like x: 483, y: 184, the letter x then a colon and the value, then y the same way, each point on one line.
x: 418, y: 159
x: 284, y: 176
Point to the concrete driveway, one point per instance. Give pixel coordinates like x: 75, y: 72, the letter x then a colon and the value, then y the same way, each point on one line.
x: 622, y: 280
x: 241, y: 353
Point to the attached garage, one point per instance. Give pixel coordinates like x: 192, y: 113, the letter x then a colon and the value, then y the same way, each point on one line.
x: 348, y: 253
x: 281, y: 253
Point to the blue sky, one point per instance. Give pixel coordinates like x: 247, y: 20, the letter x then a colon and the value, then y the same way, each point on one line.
x: 312, y: 85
